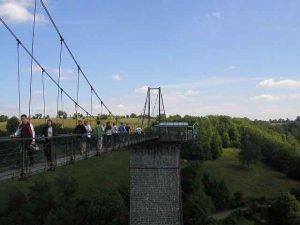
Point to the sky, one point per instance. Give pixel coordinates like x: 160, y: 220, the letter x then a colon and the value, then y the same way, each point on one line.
x: 210, y: 57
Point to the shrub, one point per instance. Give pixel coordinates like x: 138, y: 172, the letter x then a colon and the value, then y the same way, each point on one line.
x: 12, y: 124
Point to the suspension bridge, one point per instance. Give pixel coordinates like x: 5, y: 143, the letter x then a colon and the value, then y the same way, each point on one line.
x: 155, y: 196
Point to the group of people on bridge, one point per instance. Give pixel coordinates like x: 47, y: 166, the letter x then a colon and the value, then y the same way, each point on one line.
x: 106, y: 135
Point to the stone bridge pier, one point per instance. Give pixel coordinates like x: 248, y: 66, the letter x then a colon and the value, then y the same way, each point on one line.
x: 155, y: 188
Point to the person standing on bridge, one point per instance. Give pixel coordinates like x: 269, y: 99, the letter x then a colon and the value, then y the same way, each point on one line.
x: 81, y: 131
x: 114, y: 131
x: 89, y: 131
x: 108, y: 135
x: 26, y: 130
x: 122, y: 132
x: 99, y: 133
x: 49, y: 131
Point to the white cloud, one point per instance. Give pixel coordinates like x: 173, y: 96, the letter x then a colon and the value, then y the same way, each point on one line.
x: 65, y: 74
x: 192, y: 93
x: 232, y: 67
x: 117, y: 77
x: 39, y: 93
x: 216, y: 14
x: 121, y: 106
x: 18, y: 11
x: 287, y: 83
x: 36, y: 68
x: 141, y: 90
x: 265, y: 97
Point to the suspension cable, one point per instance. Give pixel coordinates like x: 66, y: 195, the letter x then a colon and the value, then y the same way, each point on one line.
x: 31, y: 63
x: 44, y: 101
x: 19, y: 89
x: 163, y: 105
x: 92, y: 100
x: 77, y: 94
x: 148, y: 94
x: 59, y: 74
x: 62, y: 106
x: 72, y: 55
x: 38, y: 63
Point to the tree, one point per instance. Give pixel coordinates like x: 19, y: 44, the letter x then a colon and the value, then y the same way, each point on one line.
x: 225, y: 140
x: 216, y: 146
x: 12, y: 124
x: 78, y: 115
x: 133, y: 115
x: 250, y: 151
x: 196, y: 209
x: 176, y: 117
x: 192, y: 151
x: 3, y: 118
x: 217, y: 190
x: 284, y: 207
x: 62, y: 114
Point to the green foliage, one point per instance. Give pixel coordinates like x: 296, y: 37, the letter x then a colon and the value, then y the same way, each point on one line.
x: 176, y: 117
x: 250, y: 151
x: 133, y: 115
x: 3, y: 118
x: 259, y: 181
x: 225, y: 140
x: 12, y: 124
x: 275, y: 145
x: 196, y: 203
x: 191, y: 151
x: 196, y: 208
x: 67, y: 186
x: 95, y: 177
x: 190, y: 181
x: 217, y: 190
x: 296, y: 192
x: 62, y: 114
x: 40, y: 207
x: 283, y: 208
x: 237, y: 200
x: 216, y: 146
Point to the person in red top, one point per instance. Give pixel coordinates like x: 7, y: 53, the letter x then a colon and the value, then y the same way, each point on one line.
x: 26, y: 130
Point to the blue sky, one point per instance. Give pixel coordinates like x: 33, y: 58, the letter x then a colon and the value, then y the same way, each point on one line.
x: 231, y: 57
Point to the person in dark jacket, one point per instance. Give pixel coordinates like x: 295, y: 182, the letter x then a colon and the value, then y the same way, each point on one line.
x: 48, y: 132
x: 80, y: 129
x: 108, y: 134
x: 26, y: 130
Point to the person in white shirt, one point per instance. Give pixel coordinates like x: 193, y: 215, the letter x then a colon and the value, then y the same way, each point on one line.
x: 88, y: 128
x: 138, y: 130
x: 89, y: 131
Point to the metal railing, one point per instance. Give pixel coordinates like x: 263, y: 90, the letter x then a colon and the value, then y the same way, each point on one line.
x: 18, y: 160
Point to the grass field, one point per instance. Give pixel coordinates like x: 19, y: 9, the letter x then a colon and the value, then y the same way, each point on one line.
x: 258, y: 181
x: 107, y: 172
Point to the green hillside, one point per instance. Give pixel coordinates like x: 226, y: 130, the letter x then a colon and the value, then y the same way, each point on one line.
x: 257, y: 181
